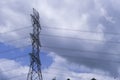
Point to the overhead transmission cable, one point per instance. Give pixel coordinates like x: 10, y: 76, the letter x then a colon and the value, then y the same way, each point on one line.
x: 66, y: 49
x: 53, y: 47
x: 62, y: 49
x: 22, y: 28
x: 77, y: 38
x: 77, y: 30
x: 41, y: 35
x: 57, y: 28
x: 74, y: 50
x: 77, y: 50
x: 68, y: 37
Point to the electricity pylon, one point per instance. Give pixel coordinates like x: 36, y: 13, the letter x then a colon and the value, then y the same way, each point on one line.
x: 35, y: 63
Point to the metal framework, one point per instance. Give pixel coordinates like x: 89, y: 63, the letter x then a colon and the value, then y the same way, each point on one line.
x: 35, y: 63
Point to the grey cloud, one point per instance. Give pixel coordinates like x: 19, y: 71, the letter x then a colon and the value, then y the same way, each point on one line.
x: 10, y: 69
x: 95, y: 15
x: 14, y: 15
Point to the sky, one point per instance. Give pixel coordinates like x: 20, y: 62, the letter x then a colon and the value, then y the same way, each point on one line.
x: 80, y: 39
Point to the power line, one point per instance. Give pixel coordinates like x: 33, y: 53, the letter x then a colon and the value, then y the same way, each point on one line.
x: 67, y: 49
x: 74, y: 50
x: 57, y: 28
x: 83, y: 58
x: 62, y: 49
x: 58, y: 48
x: 58, y: 36
x: 67, y: 37
x: 95, y: 40
x: 16, y: 30
x: 77, y: 50
x: 66, y: 29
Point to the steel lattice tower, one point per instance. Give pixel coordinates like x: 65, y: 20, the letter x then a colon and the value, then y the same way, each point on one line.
x: 35, y: 64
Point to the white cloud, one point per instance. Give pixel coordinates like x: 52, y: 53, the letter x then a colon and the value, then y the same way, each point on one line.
x: 95, y: 15
x: 14, y: 16
x: 62, y: 69
x: 12, y: 70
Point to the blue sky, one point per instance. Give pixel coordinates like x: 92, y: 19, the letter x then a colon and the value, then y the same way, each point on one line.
x: 9, y: 52
x: 80, y: 39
